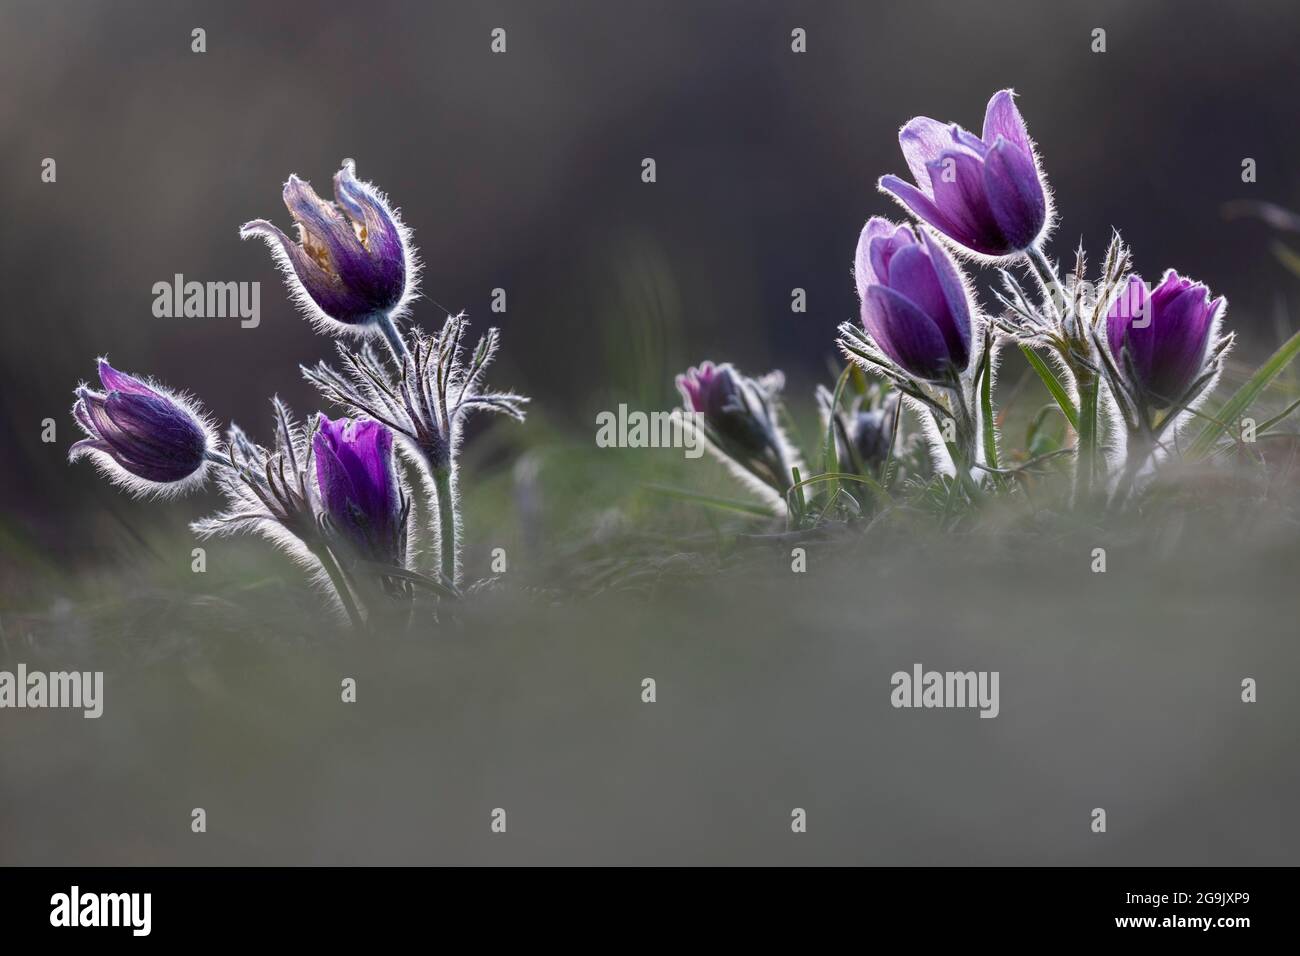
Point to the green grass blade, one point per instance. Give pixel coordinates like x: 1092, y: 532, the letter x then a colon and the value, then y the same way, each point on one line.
x: 840, y: 476
x: 831, y: 452
x: 989, y: 425
x: 711, y: 501
x: 1053, y: 385
x: 1244, y: 397
x: 1262, y: 429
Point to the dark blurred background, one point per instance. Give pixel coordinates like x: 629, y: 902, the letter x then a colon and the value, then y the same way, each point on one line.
x: 522, y: 171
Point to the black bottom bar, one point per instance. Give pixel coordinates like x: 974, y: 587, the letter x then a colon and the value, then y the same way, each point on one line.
x: 335, y: 905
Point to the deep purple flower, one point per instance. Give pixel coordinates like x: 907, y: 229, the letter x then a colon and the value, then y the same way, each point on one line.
x: 359, y: 491
x: 914, y: 304
x: 985, y: 193
x: 353, y: 263
x: 140, y: 434
x: 1167, y: 334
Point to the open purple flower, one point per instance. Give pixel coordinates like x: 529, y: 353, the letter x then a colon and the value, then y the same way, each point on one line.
x: 353, y: 266
x: 359, y: 489
x: 141, y: 435
x: 985, y: 193
x: 914, y: 304
x: 1167, y: 335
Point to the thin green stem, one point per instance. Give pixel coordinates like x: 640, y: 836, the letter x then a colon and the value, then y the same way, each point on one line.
x: 448, y: 557
x: 963, y: 449
x: 1086, y: 462
x: 1085, y: 379
x: 1141, y: 444
x: 988, y: 422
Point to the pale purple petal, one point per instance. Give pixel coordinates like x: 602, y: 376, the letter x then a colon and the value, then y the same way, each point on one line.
x: 921, y: 205
x: 922, y: 140
x: 1002, y: 118
x: 115, y: 381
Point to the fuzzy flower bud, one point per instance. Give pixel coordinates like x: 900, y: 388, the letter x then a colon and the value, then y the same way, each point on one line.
x: 740, y: 420
x: 1166, y: 333
x: 141, y: 435
x: 353, y: 263
x: 914, y: 303
x: 359, y: 490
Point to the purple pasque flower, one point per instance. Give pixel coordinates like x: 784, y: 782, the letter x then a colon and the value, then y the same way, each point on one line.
x: 353, y: 263
x: 359, y: 490
x: 740, y: 419
x: 426, y: 401
x: 732, y: 406
x: 985, y: 193
x: 1167, y: 335
x: 914, y: 302
x: 141, y: 435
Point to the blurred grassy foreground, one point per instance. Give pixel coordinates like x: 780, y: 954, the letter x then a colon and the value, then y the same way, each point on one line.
x: 1118, y: 690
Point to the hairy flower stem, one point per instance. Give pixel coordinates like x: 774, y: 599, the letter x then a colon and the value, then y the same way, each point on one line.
x: 319, y: 550
x: 1141, y: 444
x: 962, y: 450
x: 441, y: 475
x: 448, y: 555
x: 337, y: 578
x: 1086, y: 382
x: 392, y: 337
x: 1086, y: 463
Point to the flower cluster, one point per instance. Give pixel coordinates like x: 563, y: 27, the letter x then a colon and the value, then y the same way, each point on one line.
x: 331, y: 493
x: 1127, y: 366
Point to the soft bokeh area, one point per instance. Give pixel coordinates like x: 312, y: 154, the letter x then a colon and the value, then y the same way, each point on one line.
x: 522, y: 171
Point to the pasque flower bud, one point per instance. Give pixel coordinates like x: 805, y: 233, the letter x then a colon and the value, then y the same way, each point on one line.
x: 353, y: 266
x: 1167, y: 335
x: 141, y: 435
x: 359, y: 490
x: 740, y: 420
x: 914, y: 303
